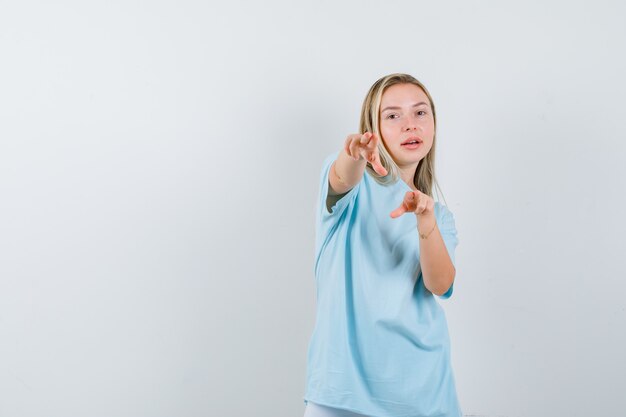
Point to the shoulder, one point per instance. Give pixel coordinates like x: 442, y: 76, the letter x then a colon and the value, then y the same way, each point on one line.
x: 441, y: 210
x: 445, y: 218
x: 443, y: 214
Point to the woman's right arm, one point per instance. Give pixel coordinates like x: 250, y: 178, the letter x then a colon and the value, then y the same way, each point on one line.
x: 348, y: 169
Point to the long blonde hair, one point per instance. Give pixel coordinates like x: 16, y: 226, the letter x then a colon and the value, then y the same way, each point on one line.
x: 424, y: 178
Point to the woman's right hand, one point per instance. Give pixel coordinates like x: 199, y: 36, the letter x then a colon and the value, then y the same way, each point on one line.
x: 365, y: 146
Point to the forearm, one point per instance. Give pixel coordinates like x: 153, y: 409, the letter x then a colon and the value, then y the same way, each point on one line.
x: 437, y: 269
x: 346, y: 173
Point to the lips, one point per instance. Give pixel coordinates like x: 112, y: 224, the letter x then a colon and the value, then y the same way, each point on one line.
x: 411, y: 140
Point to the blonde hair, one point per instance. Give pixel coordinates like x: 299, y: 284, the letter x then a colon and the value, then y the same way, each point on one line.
x: 424, y: 178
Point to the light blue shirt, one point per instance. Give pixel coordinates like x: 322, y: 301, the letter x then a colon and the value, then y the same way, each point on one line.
x: 380, y: 345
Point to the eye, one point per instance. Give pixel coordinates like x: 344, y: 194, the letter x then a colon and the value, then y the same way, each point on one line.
x: 389, y: 116
x: 421, y: 111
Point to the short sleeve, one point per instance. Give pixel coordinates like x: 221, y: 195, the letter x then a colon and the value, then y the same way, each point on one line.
x: 340, y: 206
x: 448, y: 232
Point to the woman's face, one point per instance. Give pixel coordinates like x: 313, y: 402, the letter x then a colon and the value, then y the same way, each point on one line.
x: 405, y: 115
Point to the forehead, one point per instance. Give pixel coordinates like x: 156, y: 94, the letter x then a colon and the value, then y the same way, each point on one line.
x: 403, y: 95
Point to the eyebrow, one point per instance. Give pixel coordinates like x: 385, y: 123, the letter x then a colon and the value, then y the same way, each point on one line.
x: 398, y: 108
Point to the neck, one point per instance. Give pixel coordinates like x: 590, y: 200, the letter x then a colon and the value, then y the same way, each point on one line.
x: 407, y: 173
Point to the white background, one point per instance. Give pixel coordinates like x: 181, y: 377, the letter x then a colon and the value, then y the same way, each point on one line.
x: 159, y: 168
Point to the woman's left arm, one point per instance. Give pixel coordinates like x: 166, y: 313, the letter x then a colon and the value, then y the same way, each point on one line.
x: 437, y: 268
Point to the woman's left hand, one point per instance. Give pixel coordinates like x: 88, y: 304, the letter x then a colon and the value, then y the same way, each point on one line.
x: 415, y: 202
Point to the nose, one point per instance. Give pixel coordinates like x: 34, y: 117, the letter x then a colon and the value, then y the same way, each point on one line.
x: 411, y: 124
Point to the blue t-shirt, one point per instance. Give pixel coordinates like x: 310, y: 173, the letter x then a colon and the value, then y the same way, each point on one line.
x: 380, y: 345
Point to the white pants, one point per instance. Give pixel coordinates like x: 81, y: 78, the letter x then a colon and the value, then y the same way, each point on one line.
x: 318, y: 410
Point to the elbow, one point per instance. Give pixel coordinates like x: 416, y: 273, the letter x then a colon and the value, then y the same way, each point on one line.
x: 441, y: 293
x: 445, y: 286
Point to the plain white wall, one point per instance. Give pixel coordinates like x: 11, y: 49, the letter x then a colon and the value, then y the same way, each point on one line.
x: 159, y: 166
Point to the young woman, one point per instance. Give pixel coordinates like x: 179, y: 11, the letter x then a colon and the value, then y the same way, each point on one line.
x: 384, y: 249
